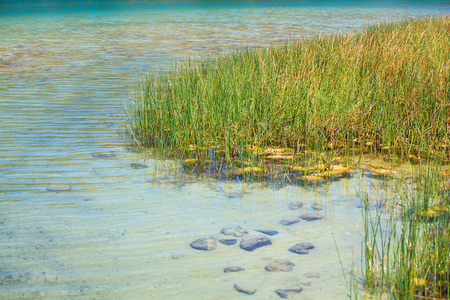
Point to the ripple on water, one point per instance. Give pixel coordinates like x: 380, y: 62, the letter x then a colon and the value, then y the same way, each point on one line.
x: 115, y: 234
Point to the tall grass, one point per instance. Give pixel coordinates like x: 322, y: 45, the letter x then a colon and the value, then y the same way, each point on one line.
x: 385, y: 89
x: 406, y: 249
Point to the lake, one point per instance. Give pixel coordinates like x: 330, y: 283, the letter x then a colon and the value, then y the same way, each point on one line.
x: 123, y: 223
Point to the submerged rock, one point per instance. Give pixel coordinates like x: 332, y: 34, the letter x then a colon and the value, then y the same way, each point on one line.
x: 309, y: 217
x: 268, y: 232
x: 58, y: 187
x: 250, y: 243
x: 285, y: 293
x: 204, y: 244
x: 295, y: 205
x: 244, y: 290
x: 236, y: 231
x: 233, y: 269
x: 302, y: 248
x: 228, y: 242
x: 287, y: 222
x: 280, y: 265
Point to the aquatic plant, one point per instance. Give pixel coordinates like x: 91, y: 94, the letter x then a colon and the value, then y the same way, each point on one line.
x: 382, y: 90
x: 406, y: 252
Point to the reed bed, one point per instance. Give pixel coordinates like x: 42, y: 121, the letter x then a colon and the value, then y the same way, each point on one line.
x: 406, y: 248
x: 383, y: 90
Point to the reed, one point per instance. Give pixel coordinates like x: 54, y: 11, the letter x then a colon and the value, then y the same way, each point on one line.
x: 383, y: 90
x: 406, y: 248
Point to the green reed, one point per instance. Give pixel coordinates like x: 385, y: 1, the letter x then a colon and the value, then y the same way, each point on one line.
x: 406, y: 248
x: 386, y: 87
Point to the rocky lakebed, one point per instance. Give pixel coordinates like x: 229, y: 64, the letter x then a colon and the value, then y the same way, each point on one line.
x: 234, y: 236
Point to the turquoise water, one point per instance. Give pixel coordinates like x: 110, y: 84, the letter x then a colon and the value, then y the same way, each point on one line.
x: 66, y: 72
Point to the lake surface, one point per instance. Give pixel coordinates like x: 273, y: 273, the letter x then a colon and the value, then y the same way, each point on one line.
x: 66, y: 72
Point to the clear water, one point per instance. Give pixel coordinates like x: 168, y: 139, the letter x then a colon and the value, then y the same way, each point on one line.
x: 66, y: 72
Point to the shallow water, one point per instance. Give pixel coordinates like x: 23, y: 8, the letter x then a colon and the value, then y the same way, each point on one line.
x: 66, y: 71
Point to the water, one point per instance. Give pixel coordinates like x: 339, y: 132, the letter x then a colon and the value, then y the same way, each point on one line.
x: 66, y: 71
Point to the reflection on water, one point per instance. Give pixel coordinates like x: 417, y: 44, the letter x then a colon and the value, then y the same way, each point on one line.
x: 66, y: 70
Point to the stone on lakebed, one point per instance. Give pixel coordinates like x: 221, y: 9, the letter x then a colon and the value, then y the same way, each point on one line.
x: 250, y: 243
x: 286, y: 292
x: 268, y: 232
x: 228, y: 242
x: 309, y: 217
x: 287, y: 222
x: 233, y: 269
x: 280, y: 265
x: 236, y: 231
x: 244, y: 290
x: 301, y: 248
x: 204, y: 244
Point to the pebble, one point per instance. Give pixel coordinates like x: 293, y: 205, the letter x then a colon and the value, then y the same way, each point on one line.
x: 287, y: 222
x: 250, y: 243
x: 295, y: 205
x: 287, y: 292
x: 204, y: 244
x: 282, y: 265
x: 236, y: 231
x: 233, y: 269
x: 309, y: 217
x: 268, y: 232
x: 58, y: 187
x: 228, y: 242
x: 301, y: 248
x: 243, y: 290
